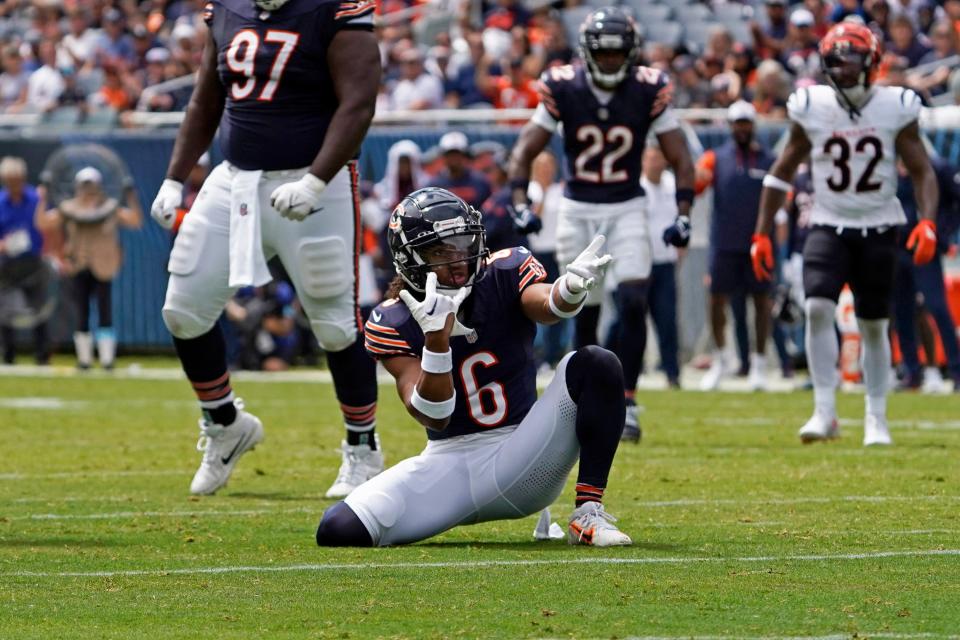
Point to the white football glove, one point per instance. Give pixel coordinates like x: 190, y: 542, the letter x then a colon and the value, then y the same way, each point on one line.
x: 431, y: 314
x: 587, y: 270
x: 297, y: 200
x: 164, y: 208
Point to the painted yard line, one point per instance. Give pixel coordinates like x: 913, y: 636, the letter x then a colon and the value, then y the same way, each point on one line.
x: 480, y: 564
x: 882, y: 635
x: 93, y: 474
x: 825, y: 500
x: 161, y: 514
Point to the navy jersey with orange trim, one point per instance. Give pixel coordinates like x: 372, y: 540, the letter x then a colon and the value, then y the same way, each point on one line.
x: 495, y: 377
x: 273, y: 67
x: 604, y: 144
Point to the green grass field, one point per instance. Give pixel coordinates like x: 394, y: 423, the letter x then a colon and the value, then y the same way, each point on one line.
x: 739, y: 530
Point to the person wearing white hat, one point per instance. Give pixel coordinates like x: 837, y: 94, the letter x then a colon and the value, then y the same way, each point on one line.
x: 91, y: 219
x: 735, y: 171
x: 458, y: 176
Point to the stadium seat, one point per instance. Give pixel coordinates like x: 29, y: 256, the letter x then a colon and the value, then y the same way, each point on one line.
x: 693, y: 13
x: 664, y: 32
x: 645, y: 12
x: 432, y: 24
x: 696, y: 33
x: 733, y: 12
x: 104, y: 117
x: 573, y: 17
x: 740, y: 30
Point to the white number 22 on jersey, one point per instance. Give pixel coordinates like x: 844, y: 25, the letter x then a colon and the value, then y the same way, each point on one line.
x: 620, y: 136
x: 242, y: 54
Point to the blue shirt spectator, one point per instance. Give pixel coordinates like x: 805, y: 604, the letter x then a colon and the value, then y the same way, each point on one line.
x: 16, y: 215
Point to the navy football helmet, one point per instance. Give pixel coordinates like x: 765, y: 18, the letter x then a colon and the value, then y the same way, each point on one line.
x: 432, y: 216
x: 609, y: 29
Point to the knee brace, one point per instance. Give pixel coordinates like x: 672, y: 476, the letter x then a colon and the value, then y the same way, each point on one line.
x: 184, y: 324
x: 333, y: 336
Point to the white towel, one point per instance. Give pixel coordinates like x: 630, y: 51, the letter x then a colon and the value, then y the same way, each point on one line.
x: 247, y: 263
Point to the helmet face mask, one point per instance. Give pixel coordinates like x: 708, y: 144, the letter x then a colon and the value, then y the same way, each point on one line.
x: 434, y: 230
x: 604, y: 33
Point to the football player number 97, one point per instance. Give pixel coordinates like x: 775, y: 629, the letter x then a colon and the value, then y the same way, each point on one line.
x: 241, y: 58
x: 475, y: 407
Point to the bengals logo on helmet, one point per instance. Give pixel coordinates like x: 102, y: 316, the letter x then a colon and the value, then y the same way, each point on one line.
x: 848, y: 37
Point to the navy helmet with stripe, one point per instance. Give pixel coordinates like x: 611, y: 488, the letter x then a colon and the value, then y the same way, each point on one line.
x: 432, y: 216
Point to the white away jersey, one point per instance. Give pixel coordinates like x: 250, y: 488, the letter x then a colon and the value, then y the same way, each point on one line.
x: 854, y: 161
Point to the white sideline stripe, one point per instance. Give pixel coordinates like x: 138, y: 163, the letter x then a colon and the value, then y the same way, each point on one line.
x: 834, y: 636
x: 93, y: 474
x: 476, y: 564
x: 826, y: 500
x: 160, y: 514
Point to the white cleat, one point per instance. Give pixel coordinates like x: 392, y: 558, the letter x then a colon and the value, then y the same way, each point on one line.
x: 819, y: 428
x: 876, y: 431
x: 716, y: 372
x: 593, y: 526
x: 757, y: 379
x: 222, y: 447
x: 933, y: 381
x: 360, y: 463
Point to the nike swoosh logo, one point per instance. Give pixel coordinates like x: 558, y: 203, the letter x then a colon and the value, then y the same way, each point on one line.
x: 376, y: 316
x: 240, y: 444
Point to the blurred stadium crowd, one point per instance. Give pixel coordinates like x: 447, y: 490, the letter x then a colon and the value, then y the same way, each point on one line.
x: 95, y: 60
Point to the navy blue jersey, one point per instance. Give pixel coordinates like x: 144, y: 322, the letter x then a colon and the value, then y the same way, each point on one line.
x: 495, y: 377
x: 948, y: 214
x: 498, y: 223
x: 273, y: 66
x: 604, y: 143
x: 799, y: 211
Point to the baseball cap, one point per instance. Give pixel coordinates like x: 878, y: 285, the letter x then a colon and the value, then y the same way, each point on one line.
x: 112, y: 15
x: 802, y: 18
x: 88, y: 174
x: 741, y: 110
x: 454, y: 141
x: 157, y: 54
x: 782, y: 3
x: 183, y: 31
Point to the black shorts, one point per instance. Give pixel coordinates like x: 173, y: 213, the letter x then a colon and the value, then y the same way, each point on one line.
x: 731, y: 272
x: 866, y: 259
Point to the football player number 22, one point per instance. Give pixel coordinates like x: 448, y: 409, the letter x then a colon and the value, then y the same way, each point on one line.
x: 619, y: 138
x: 242, y: 54
x: 494, y: 390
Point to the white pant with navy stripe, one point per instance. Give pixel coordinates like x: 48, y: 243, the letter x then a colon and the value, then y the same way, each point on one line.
x: 319, y: 253
x: 504, y: 473
x: 628, y: 238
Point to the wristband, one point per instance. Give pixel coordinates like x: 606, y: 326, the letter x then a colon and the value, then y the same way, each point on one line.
x: 566, y: 295
x: 435, y: 410
x: 557, y: 311
x: 685, y: 195
x: 433, y: 362
x: 773, y: 182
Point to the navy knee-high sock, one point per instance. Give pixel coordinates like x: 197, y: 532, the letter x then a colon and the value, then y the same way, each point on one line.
x: 594, y: 380
x: 355, y: 381
x: 204, y: 360
x: 632, y: 309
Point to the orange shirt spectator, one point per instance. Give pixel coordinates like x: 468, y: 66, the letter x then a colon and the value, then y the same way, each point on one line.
x: 516, y: 90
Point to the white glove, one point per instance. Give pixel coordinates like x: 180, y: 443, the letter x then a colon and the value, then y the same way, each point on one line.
x: 297, y: 200
x: 431, y: 314
x: 587, y: 270
x: 164, y: 208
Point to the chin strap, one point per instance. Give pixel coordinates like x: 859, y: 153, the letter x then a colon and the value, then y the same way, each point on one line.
x: 853, y: 109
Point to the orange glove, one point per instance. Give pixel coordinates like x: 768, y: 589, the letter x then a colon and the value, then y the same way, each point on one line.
x: 181, y: 213
x: 761, y: 255
x: 923, y: 242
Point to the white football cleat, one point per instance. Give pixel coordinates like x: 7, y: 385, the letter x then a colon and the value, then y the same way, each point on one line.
x: 876, y: 431
x: 933, y: 381
x: 716, y: 372
x: 818, y: 428
x: 222, y: 447
x: 591, y: 525
x: 757, y: 379
x: 360, y: 463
